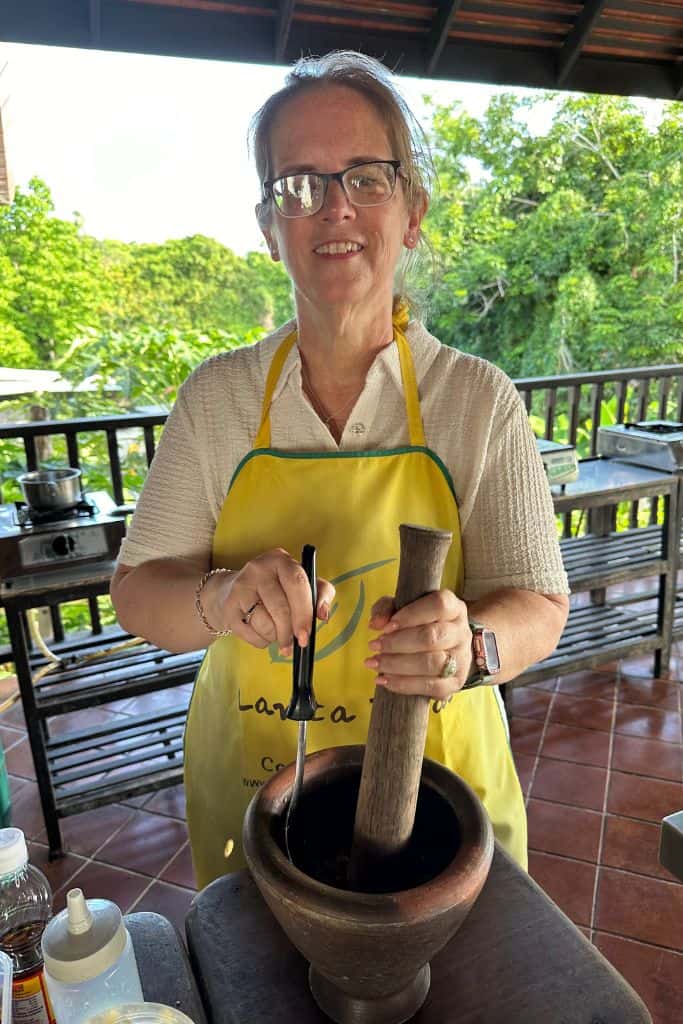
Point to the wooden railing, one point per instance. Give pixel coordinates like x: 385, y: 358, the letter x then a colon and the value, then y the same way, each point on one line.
x: 567, y: 408
x: 572, y: 404
x: 108, y: 427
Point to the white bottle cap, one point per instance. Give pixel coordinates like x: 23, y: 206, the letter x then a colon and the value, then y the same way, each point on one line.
x: 13, y: 851
x: 84, y: 940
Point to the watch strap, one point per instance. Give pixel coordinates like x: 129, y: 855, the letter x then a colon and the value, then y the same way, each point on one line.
x: 478, y: 677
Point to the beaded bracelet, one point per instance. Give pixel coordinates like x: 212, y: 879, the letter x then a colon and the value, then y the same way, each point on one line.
x: 198, y: 602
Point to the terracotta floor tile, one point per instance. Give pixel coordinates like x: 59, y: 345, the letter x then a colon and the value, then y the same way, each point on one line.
x: 170, y: 801
x: 633, y: 846
x: 83, y: 719
x: 647, y: 757
x: 180, y: 870
x: 589, y: 684
x: 104, y: 882
x: 648, y: 723
x: 27, y: 813
x: 59, y: 871
x: 525, y: 702
x: 10, y: 737
x: 15, y: 717
x: 555, y: 828
x: 8, y: 686
x: 583, y: 746
x: 569, y: 883
x: 656, y: 692
x: 635, y: 907
x: 642, y: 665
x: 582, y: 712
x: 84, y: 833
x: 577, y: 784
x: 154, y: 701
x: 145, y: 844
x: 545, y: 684
x: 525, y: 735
x: 524, y: 764
x: 654, y: 973
x: 19, y: 760
x: 632, y: 796
x: 169, y: 900
x: 16, y: 785
x: 136, y: 801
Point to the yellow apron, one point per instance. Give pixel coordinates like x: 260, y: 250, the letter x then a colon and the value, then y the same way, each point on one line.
x: 349, y: 505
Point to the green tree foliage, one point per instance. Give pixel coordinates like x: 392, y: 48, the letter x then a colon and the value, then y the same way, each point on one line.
x: 49, y: 280
x: 560, y: 251
x: 192, y: 283
x: 134, y: 320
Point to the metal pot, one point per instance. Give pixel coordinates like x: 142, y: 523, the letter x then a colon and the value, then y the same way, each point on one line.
x: 51, y: 489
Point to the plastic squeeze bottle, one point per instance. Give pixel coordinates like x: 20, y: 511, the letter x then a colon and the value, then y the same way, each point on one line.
x: 25, y: 907
x: 89, y: 960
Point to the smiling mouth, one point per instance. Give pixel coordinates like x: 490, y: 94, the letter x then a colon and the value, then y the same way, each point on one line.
x: 337, y: 248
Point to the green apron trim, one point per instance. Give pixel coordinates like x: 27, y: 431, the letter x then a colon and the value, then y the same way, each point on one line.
x: 376, y: 453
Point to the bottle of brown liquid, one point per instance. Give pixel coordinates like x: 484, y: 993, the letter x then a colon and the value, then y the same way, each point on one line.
x: 25, y: 908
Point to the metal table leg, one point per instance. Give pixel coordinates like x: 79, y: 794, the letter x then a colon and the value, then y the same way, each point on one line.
x: 20, y: 649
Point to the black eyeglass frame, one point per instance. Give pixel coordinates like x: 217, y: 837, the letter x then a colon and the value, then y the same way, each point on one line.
x: 326, y: 179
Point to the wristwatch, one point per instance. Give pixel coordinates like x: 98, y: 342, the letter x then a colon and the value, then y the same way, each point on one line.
x: 485, y: 655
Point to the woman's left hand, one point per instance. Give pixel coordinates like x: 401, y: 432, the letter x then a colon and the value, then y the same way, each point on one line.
x: 424, y: 648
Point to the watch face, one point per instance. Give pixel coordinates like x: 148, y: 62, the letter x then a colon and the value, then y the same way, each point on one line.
x: 490, y: 651
x: 486, y: 651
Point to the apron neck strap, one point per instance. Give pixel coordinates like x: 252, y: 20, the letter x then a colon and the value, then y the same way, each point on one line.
x: 410, y: 392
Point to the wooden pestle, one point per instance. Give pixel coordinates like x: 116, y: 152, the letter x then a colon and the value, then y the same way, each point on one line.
x: 392, y: 763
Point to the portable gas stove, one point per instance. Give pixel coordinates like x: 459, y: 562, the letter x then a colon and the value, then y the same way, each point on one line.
x: 39, y: 549
x: 657, y: 444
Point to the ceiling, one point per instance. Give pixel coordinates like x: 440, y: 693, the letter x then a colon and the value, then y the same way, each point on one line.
x: 615, y: 46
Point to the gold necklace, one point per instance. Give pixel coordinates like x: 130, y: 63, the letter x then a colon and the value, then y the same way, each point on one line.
x: 318, y: 405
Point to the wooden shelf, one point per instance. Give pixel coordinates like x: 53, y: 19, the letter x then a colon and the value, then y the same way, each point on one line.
x: 86, y: 679
x: 95, y: 766
x: 593, y: 562
x: 596, y: 634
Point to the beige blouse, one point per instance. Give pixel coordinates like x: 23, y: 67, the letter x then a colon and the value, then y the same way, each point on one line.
x: 474, y: 421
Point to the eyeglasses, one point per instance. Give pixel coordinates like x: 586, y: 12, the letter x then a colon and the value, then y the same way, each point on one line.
x: 302, y: 195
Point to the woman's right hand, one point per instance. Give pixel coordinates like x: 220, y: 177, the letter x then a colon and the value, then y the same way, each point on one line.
x: 268, y: 600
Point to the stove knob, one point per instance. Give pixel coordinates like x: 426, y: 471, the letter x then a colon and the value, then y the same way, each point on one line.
x: 63, y: 545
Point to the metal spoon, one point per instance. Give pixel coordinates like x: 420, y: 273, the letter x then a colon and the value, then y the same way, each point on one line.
x: 302, y: 706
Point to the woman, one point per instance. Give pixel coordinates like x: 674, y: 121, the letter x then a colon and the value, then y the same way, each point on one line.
x: 333, y: 431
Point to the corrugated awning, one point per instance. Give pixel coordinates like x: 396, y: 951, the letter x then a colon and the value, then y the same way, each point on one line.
x: 612, y: 46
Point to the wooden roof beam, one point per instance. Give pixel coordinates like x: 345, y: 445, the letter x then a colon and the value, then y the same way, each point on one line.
x: 438, y: 37
x: 571, y: 51
x: 95, y: 22
x: 284, y: 24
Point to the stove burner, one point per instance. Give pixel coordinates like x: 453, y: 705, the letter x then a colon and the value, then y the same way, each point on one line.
x: 656, y: 426
x: 26, y: 516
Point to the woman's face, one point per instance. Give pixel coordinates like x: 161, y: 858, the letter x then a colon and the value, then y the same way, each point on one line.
x: 328, y: 129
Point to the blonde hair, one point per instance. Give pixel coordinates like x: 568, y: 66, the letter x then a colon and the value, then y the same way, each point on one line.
x: 372, y: 80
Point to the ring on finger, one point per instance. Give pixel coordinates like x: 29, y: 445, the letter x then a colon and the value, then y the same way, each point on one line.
x: 246, y: 618
x: 450, y: 666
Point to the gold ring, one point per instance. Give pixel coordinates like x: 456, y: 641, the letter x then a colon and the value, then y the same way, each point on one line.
x: 246, y: 618
x: 450, y: 666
